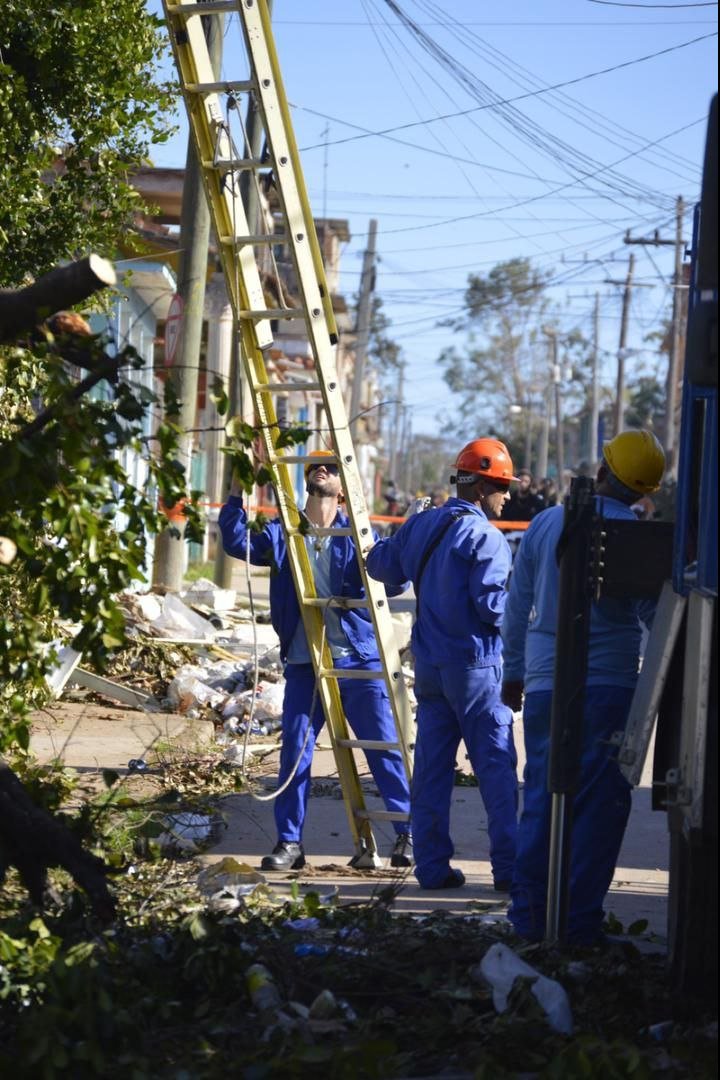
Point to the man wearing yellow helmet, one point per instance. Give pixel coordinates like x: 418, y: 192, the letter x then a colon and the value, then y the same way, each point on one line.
x: 633, y: 465
x: 352, y: 643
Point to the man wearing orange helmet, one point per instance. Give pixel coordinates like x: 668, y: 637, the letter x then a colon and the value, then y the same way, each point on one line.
x: 633, y: 464
x: 459, y: 565
x: 351, y: 639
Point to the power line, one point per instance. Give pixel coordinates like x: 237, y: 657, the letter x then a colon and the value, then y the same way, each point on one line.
x: 506, y: 101
x: 561, y: 187
x: 590, y: 24
x: 617, y: 3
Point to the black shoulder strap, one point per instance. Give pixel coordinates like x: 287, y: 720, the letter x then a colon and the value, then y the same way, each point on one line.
x: 452, y: 517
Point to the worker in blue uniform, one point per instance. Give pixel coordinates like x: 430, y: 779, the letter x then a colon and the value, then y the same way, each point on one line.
x: 633, y: 464
x: 351, y: 639
x: 459, y: 565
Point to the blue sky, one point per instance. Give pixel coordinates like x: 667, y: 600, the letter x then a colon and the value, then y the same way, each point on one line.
x: 460, y: 194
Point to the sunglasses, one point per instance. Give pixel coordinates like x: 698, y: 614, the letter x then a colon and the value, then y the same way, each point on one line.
x: 497, y: 485
x: 332, y: 469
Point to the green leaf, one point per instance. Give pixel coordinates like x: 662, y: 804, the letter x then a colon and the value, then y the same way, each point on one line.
x: 637, y: 927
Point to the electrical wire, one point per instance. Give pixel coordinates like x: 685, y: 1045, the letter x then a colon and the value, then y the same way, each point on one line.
x: 508, y: 101
x: 588, y: 118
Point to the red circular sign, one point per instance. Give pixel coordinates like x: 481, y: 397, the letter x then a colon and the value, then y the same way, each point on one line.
x: 173, y: 329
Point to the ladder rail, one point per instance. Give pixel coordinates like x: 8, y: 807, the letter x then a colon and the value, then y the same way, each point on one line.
x: 221, y: 166
x: 307, y: 258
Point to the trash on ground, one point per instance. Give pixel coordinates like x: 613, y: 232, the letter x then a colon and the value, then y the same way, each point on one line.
x: 500, y: 967
x: 176, y: 619
x: 207, y: 594
x: 185, y: 831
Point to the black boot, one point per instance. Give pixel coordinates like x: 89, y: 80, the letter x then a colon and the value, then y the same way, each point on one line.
x: 402, y: 853
x: 286, y: 855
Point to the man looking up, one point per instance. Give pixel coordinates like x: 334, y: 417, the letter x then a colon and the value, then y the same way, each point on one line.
x: 459, y: 564
x: 352, y: 643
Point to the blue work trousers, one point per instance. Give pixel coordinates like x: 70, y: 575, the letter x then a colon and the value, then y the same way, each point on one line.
x: 600, y: 812
x: 458, y: 702
x: 368, y: 712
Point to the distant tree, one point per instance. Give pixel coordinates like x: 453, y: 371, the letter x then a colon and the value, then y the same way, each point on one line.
x: 646, y: 407
x: 505, y: 352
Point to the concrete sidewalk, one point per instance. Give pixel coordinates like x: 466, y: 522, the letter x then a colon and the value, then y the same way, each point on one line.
x: 92, y: 737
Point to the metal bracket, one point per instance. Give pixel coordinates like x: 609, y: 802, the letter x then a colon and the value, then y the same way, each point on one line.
x: 366, y: 858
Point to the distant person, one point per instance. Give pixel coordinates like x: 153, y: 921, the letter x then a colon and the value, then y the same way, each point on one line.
x: 392, y: 499
x: 548, y: 492
x: 523, y: 503
x: 462, y: 561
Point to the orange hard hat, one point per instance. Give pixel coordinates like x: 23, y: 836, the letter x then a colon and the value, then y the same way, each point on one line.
x: 314, y: 464
x: 486, y: 457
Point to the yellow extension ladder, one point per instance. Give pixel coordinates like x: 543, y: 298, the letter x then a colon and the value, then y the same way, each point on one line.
x: 211, y: 106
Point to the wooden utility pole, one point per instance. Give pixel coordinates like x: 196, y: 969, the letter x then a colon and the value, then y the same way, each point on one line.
x: 675, y: 358
x: 622, y: 348
x: 362, y: 331
x: 224, y: 564
x: 169, y: 563
x: 559, y: 425
x: 396, y: 423
x: 676, y: 329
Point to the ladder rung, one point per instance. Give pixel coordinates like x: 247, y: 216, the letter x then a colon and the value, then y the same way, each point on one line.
x: 243, y: 241
x: 202, y: 7
x: 348, y: 673
x: 339, y: 530
x: 272, y: 313
x: 278, y: 387
x: 367, y: 744
x: 234, y: 163
x: 381, y: 815
x: 335, y: 601
x: 243, y: 86
x: 303, y: 459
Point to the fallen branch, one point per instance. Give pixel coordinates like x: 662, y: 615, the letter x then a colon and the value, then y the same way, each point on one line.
x: 32, y: 840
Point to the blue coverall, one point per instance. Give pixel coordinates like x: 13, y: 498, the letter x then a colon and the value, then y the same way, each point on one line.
x: 602, y: 803
x: 458, y: 674
x: 352, y: 641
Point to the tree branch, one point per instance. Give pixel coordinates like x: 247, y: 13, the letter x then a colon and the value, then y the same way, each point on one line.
x: 31, y: 839
x: 106, y: 369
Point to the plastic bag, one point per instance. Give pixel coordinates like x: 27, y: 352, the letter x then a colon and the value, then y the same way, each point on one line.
x: 500, y: 967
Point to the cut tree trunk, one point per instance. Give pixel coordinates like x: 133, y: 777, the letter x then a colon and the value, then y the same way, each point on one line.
x: 22, y: 309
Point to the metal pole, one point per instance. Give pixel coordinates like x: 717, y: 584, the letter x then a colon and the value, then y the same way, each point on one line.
x: 566, y: 722
x: 362, y: 337
x: 622, y: 349
x: 674, y: 360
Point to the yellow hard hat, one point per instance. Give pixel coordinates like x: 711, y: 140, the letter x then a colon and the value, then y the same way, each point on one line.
x: 636, y: 459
